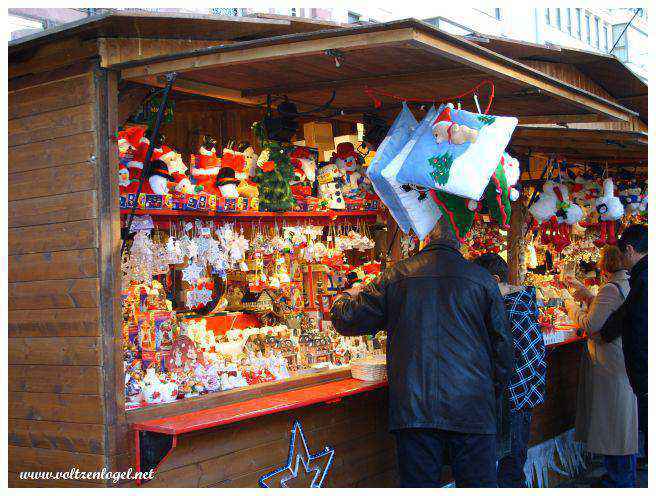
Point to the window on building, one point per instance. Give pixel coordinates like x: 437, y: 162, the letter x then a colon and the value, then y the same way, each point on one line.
x: 547, y: 16
x: 588, y: 33
x: 496, y: 13
x: 579, y: 33
x: 597, y: 37
x: 353, y: 17
x: 606, y: 46
x: 621, y: 49
x: 558, y: 23
x: 569, y: 21
x: 293, y: 12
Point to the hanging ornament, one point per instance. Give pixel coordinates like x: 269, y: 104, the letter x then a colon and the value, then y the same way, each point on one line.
x: 192, y: 272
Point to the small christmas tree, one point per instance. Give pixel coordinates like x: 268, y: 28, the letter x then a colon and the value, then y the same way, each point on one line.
x: 441, y: 165
x: 274, y: 174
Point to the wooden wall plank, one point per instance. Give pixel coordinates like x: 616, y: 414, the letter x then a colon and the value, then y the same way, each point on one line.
x: 54, y: 237
x: 76, y: 350
x: 52, y: 209
x: 53, y: 323
x: 65, y: 150
x: 49, y: 125
x: 52, y: 56
x: 73, y: 264
x: 86, y: 409
x: 51, y: 96
x: 51, y: 181
x: 55, y: 379
x: 65, y: 293
x: 22, y: 458
x: 84, y: 438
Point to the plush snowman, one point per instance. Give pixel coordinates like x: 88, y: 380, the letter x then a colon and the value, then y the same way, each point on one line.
x: 158, y: 179
x: 329, y: 177
x: 227, y: 183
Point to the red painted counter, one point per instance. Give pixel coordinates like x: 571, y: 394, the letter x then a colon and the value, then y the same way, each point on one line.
x: 227, y: 414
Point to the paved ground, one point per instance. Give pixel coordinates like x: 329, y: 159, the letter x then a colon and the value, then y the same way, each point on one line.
x: 592, y: 476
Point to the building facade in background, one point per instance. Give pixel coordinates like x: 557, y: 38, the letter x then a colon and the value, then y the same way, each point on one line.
x: 599, y: 30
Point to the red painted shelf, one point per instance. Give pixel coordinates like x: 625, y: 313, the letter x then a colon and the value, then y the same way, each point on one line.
x: 236, y: 412
x: 251, y: 214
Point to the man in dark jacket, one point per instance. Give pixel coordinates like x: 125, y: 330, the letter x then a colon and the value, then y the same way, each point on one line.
x: 631, y: 318
x: 449, y: 359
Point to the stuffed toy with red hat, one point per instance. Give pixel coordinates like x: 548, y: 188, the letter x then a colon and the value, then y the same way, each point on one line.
x: 206, y: 165
x: 349, y: 162
x: 178, y: 171
x: 444, y: 129
x: 301, y: 187
x: 302, y: 157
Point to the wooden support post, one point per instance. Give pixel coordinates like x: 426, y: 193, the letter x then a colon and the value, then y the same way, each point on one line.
x: 516, y: 245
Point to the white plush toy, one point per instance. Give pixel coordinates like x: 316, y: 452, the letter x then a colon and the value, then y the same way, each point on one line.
x: 329, y: 188
x: 512, y: 171
x: 178, y: 171
x: 444, y: 129
x: 610, y: 209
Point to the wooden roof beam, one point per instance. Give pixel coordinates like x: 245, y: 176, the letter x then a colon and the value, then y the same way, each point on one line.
x: 376, y: 81
x: 410, y: 32
x: 241, y: 54
x: 516, y: 72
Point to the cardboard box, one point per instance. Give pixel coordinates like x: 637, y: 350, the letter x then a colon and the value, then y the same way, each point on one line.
x: 319, y: 135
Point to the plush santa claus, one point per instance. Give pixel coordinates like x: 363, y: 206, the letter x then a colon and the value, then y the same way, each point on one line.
x: 178, y: 171
x: 300, y: 186
x: 206, y: 166
x: 302, y: 158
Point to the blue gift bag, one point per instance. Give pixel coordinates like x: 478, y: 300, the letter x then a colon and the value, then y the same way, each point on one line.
x: 458, y: 152
x: 415, y: 206
x: 397, y: 136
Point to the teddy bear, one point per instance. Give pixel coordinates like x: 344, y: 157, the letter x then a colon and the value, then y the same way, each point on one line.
x: 444, y: 129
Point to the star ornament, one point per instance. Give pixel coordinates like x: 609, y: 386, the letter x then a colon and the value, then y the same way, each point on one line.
x: 315, y: 465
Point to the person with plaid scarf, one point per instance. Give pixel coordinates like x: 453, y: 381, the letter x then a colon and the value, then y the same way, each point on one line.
x: 527, y: 384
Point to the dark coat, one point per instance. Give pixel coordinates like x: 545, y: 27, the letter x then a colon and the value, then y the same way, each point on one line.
x: 631, y: 320
x: 449, y: 348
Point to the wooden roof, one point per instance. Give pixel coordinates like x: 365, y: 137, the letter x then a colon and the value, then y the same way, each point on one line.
x: 581, y: 144
x: 409, y: 58
x: 161, y: 25
x: 604, y: 69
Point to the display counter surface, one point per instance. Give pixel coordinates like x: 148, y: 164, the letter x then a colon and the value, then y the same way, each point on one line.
x: 573, y: 339
x: 227, y: 414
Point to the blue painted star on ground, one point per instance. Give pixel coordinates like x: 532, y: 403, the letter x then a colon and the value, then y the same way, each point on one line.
x: 314, y: 465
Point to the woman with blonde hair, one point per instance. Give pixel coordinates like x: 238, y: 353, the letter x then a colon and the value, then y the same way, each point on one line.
x: 607, y: 410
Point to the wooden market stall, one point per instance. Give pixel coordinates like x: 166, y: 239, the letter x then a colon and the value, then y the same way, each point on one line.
x: 70, y: 90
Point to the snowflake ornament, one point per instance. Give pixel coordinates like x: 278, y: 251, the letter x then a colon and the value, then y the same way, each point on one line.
x: 192, y: 272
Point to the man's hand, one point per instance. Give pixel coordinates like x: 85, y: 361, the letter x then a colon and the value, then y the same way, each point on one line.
x: 354, y: 291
